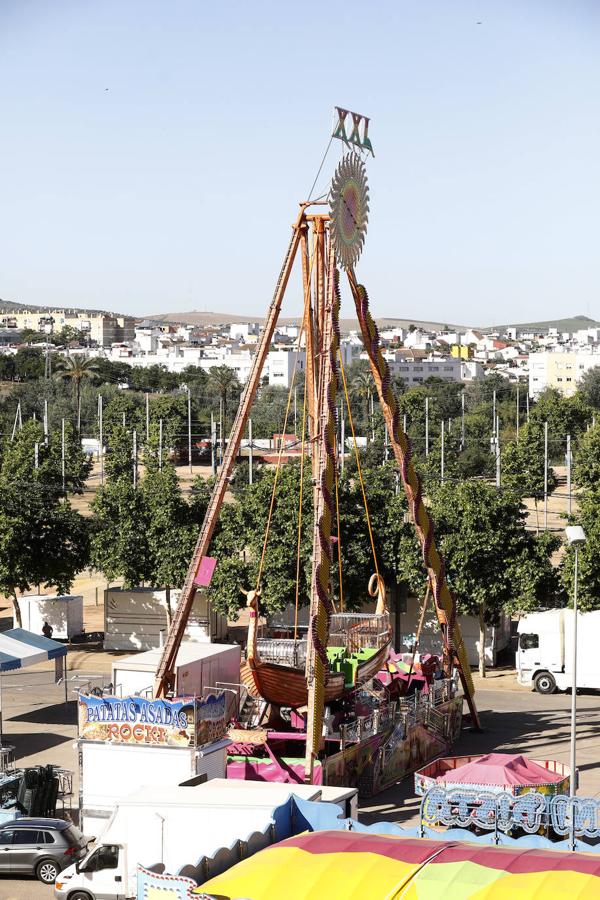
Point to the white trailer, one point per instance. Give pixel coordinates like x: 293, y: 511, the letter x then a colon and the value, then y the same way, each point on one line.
x: 109, y: 772
x: 497, y: 637
x: 63, y: 612
x: 135, y: 619
x: 197, y: 667
x: 545, y: 652
x: 171, y: 829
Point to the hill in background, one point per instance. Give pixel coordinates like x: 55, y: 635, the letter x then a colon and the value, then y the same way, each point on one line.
x: 574, y: 323
x: 206, y: 317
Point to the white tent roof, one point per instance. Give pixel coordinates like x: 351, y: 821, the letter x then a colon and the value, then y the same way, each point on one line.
x: 20, y: 648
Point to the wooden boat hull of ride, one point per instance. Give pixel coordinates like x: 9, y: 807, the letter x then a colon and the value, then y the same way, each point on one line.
x: 286, y: 686
x: 283, y: 685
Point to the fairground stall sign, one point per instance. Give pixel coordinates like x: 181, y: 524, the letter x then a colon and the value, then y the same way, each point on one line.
x: 186, y: 722
x: 532, y: 812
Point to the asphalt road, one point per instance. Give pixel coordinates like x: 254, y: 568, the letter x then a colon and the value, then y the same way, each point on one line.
x: 512, y: 720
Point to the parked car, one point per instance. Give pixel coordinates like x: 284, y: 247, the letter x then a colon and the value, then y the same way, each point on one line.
x: 40, y: 847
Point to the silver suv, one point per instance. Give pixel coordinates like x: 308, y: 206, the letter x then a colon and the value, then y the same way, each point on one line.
x: 40, y: 847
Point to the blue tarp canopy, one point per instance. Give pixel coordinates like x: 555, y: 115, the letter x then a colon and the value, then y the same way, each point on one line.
x: 20, y: 648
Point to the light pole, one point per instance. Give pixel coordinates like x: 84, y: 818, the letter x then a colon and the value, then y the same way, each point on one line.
x: 576, y: 537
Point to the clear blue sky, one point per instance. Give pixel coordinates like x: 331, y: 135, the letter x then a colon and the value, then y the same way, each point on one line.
x: 174, y: 189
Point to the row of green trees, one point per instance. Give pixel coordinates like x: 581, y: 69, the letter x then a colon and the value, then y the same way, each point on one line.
x: 142, y: 529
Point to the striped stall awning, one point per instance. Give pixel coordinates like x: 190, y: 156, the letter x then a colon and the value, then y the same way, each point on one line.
x: 20, y: 648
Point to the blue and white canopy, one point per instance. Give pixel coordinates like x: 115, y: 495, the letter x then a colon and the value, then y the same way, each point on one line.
x: 20, y: 648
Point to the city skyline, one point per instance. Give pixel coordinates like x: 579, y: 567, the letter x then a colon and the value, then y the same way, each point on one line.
x: 156, y: 154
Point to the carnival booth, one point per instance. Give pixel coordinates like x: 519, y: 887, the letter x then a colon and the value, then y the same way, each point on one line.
x: 497, y: 772
x: 126, y: 742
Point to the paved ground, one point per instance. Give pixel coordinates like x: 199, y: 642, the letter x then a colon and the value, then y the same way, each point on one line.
x: 513, y: 721
x: 42, y: 729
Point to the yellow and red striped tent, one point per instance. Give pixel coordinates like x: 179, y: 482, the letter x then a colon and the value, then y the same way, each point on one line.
x: 345, y: 865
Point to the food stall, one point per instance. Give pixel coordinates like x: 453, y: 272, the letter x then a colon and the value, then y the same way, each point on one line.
x: 126, y: 742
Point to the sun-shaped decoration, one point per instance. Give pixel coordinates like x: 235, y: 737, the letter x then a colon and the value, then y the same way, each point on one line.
x: 349, y: 207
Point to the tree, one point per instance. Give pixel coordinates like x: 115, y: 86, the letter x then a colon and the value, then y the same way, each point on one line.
x: 586, y: 471
x: 268, y: 412
x: 29, y: 363
x: 523, y: 464
x: 170, y: 530
x: 588, y: 580
x: 119, y: 538
x: 238, y: 543
x: 7, y: 367
x: 487, y: 549
x: 19, y: 456
x: 42, y: 540
x: 224, y: 381
x: 77, y: 368
x: 589, y: 387
x: 361, y: 392
x: 564, y: 415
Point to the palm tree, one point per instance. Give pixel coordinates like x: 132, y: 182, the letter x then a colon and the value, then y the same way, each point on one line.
x: 223, y: 380
x: 77, y: 368
x: 361, y: 390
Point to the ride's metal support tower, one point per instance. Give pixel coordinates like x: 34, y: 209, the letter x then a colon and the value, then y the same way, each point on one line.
x: 320, y: 593
x: 164, y: 681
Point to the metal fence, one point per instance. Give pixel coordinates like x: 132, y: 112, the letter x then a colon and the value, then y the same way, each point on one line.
x: 359, y: 630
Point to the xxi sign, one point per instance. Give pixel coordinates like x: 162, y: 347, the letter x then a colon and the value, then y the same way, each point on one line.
x: 359, y: 129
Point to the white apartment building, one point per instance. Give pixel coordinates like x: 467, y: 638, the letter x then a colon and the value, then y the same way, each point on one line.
x: 101, y: 327
x: 281, y: 364
x: 246, y: 332
x: 560, y: 370
x: 414, y: 372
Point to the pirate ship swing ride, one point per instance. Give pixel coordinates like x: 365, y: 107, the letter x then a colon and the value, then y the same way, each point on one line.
x: 371, y: 735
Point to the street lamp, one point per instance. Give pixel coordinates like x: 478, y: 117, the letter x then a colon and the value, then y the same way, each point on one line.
x: 575, y: 537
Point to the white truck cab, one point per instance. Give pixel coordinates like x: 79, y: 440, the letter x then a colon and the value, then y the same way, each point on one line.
x: 545, y: 650
x: 101, y: 875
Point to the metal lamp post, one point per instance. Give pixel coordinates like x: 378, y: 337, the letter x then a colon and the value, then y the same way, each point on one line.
x: 576, y: 537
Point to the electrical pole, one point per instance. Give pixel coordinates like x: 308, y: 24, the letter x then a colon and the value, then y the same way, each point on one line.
x: 442, y: 455
x: 462, y: 420
x: 17, y: 421
x: 569, y: 498
x: 250, y: 454
x: 36, y: 455
x: 100, y: 432
x: 545, y: 475
x: 147, y: 417
x: 221, y: 431
x: 189, y: 399
x: 62, y: 453
x: 426, y: 426
x: 213, y: 444
x: 342, y: 439
x: 296, y: 411
x: 517, y: 413
x: 527, y: 406
x: 46, y: 421
x: 134, y: 455
x: 160, y: 444
x: 498, y: 452
x: 494, y: 411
